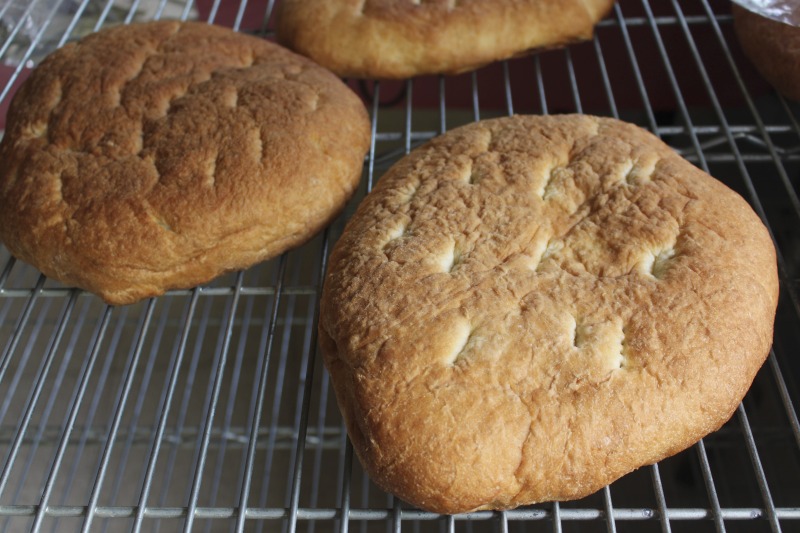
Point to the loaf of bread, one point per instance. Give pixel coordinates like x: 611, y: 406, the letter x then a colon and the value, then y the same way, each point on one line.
x: 160, y: 155
x: 525, y: 309
x: 773, y: 47
x: 405, y: 38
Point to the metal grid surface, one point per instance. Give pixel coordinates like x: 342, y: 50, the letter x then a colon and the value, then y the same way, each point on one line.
x: 209, y: 409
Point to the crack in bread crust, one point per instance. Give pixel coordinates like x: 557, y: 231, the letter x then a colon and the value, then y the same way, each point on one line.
x: 580, y: 335
x: 160, y: 155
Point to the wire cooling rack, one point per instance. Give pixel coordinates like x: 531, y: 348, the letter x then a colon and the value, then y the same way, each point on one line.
x: 209, y: 410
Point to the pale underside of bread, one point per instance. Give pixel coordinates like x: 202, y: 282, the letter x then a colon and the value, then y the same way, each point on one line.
x: 526, y: 309
x: 403, y: 38
x: 160, y: 155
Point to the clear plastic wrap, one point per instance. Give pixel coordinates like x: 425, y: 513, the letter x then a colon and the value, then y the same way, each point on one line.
x: 38, y: 22
x: 786, y: 11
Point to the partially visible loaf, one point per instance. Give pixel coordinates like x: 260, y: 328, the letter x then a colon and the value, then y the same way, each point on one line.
x: 773, y: 47
x: 525, y: 309
x: 405, y: 38
x: 160, y: 155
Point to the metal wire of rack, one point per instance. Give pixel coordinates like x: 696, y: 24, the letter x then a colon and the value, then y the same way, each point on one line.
x: 208, y: 409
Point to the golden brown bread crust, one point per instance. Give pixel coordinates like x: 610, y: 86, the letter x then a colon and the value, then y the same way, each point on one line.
x: 525, y: 309
x: 405, y: 38
x: 773, y: 47
x: 160, y: 155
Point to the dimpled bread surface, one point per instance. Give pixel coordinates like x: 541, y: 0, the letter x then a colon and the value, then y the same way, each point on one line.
x: 160, y: 155
x: 526, y: 309
x: 404, y: 38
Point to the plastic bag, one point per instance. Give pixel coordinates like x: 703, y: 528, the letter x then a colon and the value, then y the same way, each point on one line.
x: 43, y: 23
x: 786, y: 11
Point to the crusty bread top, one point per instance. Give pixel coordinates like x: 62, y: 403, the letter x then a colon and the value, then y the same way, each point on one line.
x: 160, y: 155
x: 525, y: 309
x: 405, y: 38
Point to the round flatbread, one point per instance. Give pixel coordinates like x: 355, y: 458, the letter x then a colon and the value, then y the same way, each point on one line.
x: 525, y: 309
x: 405, y: 38
x: 160, y: 155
